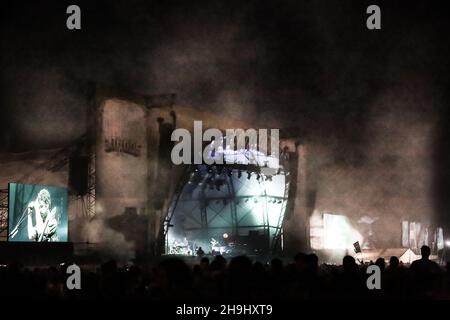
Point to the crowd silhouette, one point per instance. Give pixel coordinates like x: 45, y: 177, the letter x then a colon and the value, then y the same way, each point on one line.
x: 214, y: 279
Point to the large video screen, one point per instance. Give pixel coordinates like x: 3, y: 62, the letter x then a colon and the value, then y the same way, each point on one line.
x: 37, y: 213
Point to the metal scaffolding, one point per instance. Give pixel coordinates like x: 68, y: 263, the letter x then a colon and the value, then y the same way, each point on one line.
x: 3, y: 215
x: 220, y: 202
x: 87, y: 200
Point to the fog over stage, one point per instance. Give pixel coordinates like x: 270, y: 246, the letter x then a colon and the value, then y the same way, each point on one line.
x: 127, y: 199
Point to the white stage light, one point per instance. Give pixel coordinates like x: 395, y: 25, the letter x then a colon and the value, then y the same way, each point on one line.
x: 339, y: 233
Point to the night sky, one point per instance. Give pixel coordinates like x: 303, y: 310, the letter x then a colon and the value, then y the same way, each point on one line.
x: 306, y: 64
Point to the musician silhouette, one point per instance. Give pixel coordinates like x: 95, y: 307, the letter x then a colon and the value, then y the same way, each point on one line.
x: 45, y: 224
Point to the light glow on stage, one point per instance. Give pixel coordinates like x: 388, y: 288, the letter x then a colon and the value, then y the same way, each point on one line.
x: 339, y: 233
x: 221, y: 210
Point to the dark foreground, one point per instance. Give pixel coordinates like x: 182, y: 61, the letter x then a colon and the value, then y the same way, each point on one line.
x: 238, y: 279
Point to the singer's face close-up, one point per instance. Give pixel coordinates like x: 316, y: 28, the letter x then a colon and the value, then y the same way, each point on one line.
x: 43, y: 205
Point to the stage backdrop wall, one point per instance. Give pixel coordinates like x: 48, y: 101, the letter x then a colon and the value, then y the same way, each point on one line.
x: 121, y: 157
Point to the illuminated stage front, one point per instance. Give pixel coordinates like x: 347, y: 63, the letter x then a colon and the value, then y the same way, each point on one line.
x: 227, y: 210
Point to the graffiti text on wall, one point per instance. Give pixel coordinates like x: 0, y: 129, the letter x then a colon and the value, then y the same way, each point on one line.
x: 117, y: 144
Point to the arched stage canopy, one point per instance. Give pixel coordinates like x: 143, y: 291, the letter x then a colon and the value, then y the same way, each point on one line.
x: 227, y: 209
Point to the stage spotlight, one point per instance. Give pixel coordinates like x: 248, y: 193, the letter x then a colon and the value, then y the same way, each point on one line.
x: 225, y: 235
x: 246, y: 200
x: 279, y: 201
x: 249, y: 175
x: 230, y: 172
x: 447, y: 243
x: 258, y: 177
x: 239, y: 174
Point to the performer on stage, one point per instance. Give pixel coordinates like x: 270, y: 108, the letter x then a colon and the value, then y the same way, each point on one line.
x: 45, y: 227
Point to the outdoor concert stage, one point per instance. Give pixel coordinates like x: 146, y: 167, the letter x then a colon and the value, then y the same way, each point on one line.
x: 36, y: 253
x: 126, y: 195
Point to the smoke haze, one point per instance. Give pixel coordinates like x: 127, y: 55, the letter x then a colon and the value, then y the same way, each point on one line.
x: 373, y: 104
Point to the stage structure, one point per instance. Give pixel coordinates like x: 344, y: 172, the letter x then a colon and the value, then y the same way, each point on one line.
x: 236, y: 208
x: 3, y: 214
x: 121, y: 181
